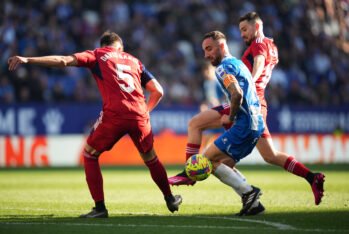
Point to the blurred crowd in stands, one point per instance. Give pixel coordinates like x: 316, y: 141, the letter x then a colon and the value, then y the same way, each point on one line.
x: 312, y: 37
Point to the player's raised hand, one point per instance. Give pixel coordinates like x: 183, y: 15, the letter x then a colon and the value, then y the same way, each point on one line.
x: 14, y: 61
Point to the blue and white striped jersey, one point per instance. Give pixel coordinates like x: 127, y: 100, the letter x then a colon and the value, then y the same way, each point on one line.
x: 249, y: 116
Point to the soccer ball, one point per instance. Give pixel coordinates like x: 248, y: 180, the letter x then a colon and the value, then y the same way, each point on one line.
x: 198, y: 167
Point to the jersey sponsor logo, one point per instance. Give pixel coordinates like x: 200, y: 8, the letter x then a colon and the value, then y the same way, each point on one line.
x: 220, y: 71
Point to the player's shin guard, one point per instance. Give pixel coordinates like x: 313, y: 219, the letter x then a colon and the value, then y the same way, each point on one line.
x: 232, y: 178
x: 159, y: 175
x: 94, y: 178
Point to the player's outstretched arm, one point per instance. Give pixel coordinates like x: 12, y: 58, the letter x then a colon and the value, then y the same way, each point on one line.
x: 156, y: 92
x: 49, y: 61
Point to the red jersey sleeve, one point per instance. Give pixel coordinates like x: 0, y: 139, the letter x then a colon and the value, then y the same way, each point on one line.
x: 86, y: 58
x: 259, y: 48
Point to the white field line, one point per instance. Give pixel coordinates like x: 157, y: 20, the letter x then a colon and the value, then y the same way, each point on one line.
x: 280, y: 226
x: 270, y: 225
x: 113, y: 225
x: 127, y: 225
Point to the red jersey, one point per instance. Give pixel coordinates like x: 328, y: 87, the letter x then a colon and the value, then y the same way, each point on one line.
x: 119, y: 77
x: 266, y: 47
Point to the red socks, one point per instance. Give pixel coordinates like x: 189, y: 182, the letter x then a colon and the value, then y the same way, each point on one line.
x: 191, y: 149
x: 295, y: 167
x: 93, y: 177
x: 95, y: 180
x: 159, y: 175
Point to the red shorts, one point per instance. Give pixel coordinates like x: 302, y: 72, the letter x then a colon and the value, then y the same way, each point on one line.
x: 225, y: 110
x: 107, y: 131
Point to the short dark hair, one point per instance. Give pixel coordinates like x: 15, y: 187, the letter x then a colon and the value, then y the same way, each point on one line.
x: 251, y: 16
x: 215, y: 35
x: 108, y: 38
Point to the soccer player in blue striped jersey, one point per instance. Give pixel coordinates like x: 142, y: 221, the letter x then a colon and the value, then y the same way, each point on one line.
x: 245, y: 114
x: 245, y: 123
x: 236, y: 82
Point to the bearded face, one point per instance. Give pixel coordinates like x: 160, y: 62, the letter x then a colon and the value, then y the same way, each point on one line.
x: 213, y: 51
x: 247, y: 31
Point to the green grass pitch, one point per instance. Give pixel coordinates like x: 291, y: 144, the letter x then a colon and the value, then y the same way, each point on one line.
x: 49, y: 201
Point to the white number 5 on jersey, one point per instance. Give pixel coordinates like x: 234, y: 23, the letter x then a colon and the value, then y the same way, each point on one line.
x: 127, y: 78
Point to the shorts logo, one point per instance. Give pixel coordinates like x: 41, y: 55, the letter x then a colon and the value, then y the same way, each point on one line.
x: 99, y: 120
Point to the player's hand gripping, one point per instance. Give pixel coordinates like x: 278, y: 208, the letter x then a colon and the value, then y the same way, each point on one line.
x: 14, y: 61
x: 225, y: 120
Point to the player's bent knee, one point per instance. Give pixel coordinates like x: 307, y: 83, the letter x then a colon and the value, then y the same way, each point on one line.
x: 194, y: 123
x: 198, y: 123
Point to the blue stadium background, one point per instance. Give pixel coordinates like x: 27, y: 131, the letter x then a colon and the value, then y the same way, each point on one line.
x: 308, y: 92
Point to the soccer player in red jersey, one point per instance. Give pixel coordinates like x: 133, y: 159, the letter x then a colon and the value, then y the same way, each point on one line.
x: 260, y: 57
x: 120, y: 78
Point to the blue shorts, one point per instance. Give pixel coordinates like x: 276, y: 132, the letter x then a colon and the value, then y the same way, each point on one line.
x: 236, y: 144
